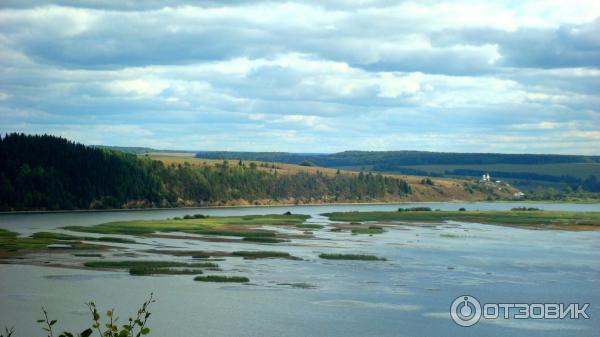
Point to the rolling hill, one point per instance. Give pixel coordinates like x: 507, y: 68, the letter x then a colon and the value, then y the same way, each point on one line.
x: 527, y: 171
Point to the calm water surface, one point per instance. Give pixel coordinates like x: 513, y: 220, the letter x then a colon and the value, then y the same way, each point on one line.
x: 407, y: 295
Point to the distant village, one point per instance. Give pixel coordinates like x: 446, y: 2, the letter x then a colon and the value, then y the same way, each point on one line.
x: 487, y: 179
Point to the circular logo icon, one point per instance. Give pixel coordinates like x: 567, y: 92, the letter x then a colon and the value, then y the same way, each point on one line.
x: 465, y: 310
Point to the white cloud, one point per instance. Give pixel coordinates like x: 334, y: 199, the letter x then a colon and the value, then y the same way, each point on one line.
x: 139, y: 87
x: 367, y: 74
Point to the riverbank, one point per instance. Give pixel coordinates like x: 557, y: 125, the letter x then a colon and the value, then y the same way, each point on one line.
x: 274, y: 205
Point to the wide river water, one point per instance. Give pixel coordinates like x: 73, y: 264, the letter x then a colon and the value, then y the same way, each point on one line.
x: 410, y: 294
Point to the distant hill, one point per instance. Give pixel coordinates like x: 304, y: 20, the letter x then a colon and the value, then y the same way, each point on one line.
x: 126, y: 149
x: 402, y: 158
x: 42, y: 172
x: 530, y: 171
x: 136, y: 149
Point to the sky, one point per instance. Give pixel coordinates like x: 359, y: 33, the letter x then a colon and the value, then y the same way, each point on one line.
x: 516, y: 76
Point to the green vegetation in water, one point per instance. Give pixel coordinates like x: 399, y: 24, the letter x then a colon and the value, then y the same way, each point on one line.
x: 146, y: 264
x: 262, y: 239
x: 546, y: 219
x: 309, y: 226
x: 143, y: 271
x: 263, y: 255
x: 87, y: 255
x: 12, y: 245
x: 219, y: 278
x: 225, y: 226
x: 299, y: 285
x: 452, y: 236
x: 368, y: 230
x: 68, y: 237
x: 351, y: 257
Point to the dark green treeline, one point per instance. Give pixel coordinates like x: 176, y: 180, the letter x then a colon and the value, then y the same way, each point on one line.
x: 48, y: 172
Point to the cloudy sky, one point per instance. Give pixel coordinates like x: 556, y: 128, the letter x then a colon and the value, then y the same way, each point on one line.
x: 312, y: 76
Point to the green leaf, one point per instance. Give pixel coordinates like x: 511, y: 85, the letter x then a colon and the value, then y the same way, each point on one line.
x: 86, y: 333
x: 145, y: 331
x: 52, y: 322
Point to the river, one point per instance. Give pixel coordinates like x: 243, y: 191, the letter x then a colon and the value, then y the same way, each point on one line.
x: 407, y: 295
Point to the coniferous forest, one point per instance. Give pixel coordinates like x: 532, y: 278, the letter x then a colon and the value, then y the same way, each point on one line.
x: 42, y: 172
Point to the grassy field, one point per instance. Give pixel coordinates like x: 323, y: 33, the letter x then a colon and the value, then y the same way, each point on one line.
x: 222, y: 226
x: 280, y: 168
x: 545, y: 219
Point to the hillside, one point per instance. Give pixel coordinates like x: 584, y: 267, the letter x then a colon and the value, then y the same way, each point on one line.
x: 50, y: 173
x: 527, y: 171
x: 440, y: 189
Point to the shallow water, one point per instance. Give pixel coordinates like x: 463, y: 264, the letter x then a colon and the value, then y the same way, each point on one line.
x: 407, y: 295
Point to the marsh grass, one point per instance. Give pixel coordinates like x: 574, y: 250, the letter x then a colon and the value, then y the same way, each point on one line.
x: 143, y: 271
x: 452, y: 236
x: 551, y: 219
x: 351, y: 257
x: 87, y: 255
x: 262, y: 239
x: 11, y: 245
x: 219, y: 278
x: 369, y: 230
x: 131, y: 264
x: 309, y: 226
x: 206, y: 226
x: 263, y: 255
x: 68, y: 237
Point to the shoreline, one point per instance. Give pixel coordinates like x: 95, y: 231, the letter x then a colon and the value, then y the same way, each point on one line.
x: 288, y: 205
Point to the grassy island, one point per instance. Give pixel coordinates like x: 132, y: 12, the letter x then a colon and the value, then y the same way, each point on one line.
x: 527, y: 218
x: 219, y: 278
x: 141, y: 268
x: 13, y: 245
x: 240, y: 226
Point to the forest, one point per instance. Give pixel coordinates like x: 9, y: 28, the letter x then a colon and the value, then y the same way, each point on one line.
x: 43, y: 172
